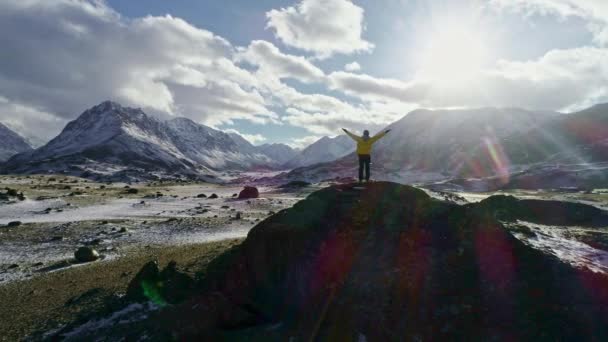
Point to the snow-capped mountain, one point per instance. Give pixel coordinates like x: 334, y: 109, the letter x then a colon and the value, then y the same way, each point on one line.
x: 11, y: 143
x: 114, y: 141
x: 280, y: 153
x: 323, y: 150
x: 277, y: 154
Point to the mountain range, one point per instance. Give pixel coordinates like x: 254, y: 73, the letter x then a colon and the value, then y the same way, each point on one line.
x: 112, y: 141
x: 479, y: 149
x: 486, y: 149
x: 11, y: 143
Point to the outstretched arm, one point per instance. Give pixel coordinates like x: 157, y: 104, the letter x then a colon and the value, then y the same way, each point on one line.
x: 353, y: 136
x: 380, y: 135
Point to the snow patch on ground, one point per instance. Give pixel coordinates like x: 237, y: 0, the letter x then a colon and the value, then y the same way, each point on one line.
x: 130, y: 314
x: 551, y: 239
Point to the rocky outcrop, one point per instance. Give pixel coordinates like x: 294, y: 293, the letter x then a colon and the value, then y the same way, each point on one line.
x: 388, y: 262
x: 168, y: 286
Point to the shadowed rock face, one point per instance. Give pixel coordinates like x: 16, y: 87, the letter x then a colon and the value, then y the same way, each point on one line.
x: 390, y: 263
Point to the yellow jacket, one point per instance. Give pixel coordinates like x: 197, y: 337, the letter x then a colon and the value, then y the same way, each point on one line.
x: 364, y: 146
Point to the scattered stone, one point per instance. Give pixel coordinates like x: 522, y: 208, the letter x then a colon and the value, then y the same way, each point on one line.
x: 123, y: 230
x: 14, y: 224
x: 249, y: 192
x: 238, y: 215
x: 201, y: 196
x: 234, y: 195
x: 132, y: 191
x: 225, y: 207
x: 13, y: 266
x: 86, y: 254
x: 57, y: 238
x: 38, y: 264
x: 214, y: 196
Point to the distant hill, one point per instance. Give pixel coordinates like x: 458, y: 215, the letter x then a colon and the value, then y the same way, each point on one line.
x: 11, y: 143
x: 279, y: 153
x: 323, y: 150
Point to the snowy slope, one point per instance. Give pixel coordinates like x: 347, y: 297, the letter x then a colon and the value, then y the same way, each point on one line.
x: 11, y: 143
x: 323, y: 150
x: 109, y: 139
x: 280, y: 153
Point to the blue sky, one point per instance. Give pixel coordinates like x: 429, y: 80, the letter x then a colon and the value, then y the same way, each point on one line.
x: 275, y: 71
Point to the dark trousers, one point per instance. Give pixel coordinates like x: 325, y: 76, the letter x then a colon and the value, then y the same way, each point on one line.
x: 364, y: 161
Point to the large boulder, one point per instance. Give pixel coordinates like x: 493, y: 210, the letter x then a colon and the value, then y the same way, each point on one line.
x: 86, y: 254
x: 249, y: 192
x: 388, y: 262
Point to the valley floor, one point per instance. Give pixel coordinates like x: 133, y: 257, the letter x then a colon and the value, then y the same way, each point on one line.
x: 60, y: 214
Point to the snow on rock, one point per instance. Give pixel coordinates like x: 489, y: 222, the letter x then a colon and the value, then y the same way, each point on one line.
x: 11, y: 143
x: 551, y: 239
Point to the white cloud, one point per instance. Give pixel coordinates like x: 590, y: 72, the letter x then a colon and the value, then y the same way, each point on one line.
x: 323, y: 27
x: 35, y: 125
x: 560, y: 79
x: 270, y: 60
x: 331, y: 123
x: 302, y: 143
x: 596, y: 10
x: 354, y: 66
x: 252, y: 138
x: 89, y: 53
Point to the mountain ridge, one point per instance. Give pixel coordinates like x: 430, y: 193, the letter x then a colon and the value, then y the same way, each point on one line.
x: 11, y: 143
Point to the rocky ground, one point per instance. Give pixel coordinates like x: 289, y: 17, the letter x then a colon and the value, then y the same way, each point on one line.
x: 45, y: 219
x: 45, y: 303
x: 129, y: 225
x: 379, y: 262
x: 40, y: 231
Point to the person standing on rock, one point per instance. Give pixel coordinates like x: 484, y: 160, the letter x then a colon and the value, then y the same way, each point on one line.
x: 364, y: 150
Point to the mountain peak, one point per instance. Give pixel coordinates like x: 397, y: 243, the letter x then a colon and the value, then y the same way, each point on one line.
x: 107, y: 106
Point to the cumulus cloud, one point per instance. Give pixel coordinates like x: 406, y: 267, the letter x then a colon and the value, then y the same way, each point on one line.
x: 322, y: 27
x: 596, y: 10
x: 302, y: 143
x: 270, y: 60
x: 252, y: 138
x: 354, y: 66
x: 89, y: 53
x: 561, y: 79
x: 331, y: 123
x: 32, y: 123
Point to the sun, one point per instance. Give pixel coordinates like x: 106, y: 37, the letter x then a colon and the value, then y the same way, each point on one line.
x: 453, y: 56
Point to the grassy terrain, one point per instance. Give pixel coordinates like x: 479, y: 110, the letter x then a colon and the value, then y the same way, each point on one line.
x: 54, y: 299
